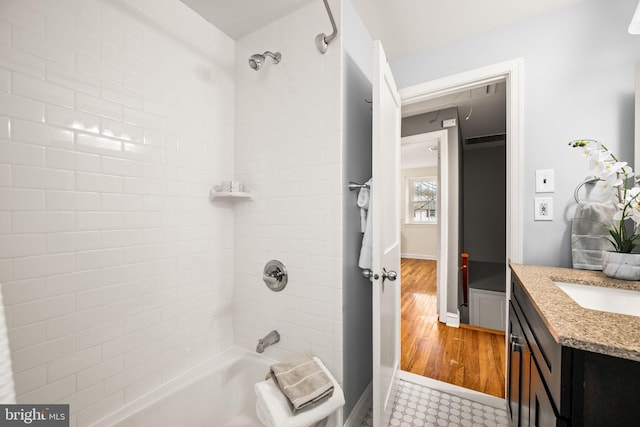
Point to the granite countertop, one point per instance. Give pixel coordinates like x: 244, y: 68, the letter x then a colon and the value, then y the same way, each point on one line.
x: 574, y: 326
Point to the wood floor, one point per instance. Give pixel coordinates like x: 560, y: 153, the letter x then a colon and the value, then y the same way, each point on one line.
x: 468, y: 356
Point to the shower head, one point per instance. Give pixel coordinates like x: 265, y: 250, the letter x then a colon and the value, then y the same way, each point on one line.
x: 256, y: 60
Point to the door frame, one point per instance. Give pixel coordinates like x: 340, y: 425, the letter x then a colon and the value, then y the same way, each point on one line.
x: 512, y: 72
x: 442, y: 192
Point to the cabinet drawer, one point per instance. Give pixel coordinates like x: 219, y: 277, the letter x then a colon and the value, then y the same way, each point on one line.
x: 545, y: 350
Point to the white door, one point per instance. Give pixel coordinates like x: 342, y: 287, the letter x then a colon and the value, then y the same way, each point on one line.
x: 385, y: 199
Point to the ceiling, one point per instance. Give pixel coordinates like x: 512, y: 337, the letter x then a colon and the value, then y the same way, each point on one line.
x: 481, y: 112
x: 237, y: 18
x: 404, y: 26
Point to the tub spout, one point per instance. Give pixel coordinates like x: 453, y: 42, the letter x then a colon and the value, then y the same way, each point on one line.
x: 271, y: 338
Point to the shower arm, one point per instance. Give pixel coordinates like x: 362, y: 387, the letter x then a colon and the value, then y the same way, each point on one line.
x: 322, y: 40
x: 275, y: 56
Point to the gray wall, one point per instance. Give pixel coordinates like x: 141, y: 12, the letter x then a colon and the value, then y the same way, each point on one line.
x: 357, y: 335
x: 422, y: 123
x: 484, y: 205
x: 578, y: 83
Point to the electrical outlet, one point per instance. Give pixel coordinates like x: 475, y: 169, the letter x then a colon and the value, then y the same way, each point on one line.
x: 543, y: 209
x: 545, y: 181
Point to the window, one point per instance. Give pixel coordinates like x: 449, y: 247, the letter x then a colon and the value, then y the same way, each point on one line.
x: 422, y: 196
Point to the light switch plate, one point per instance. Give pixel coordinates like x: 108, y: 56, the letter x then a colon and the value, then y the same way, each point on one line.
x: 545, y: 182
x: 543, y: 209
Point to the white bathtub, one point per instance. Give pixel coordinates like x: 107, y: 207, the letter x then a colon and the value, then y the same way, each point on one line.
x: 218, y: 393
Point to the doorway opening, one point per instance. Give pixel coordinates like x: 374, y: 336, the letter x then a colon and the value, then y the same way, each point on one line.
x: 473, y: 120
x: 471, y: 356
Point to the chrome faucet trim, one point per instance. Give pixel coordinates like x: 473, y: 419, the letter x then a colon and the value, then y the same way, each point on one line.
x: 269, y: 340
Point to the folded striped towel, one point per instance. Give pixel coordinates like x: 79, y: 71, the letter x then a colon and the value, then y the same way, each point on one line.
x: 274, y: 409
x: 303, y: 381
x: 589, y: 235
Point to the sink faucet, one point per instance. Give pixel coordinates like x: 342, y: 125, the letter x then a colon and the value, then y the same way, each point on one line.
x: 271, y: 338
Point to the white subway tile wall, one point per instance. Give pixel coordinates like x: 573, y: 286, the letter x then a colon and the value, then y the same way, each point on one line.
x: 288, y: 152
x: 116, y: 270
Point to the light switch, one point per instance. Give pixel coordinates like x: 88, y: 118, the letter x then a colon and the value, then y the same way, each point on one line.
x: 545, y: 181
x: 543, y: 209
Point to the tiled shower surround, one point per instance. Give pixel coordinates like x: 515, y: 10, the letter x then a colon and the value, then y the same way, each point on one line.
x: 116, y: 117
x: 117, y: 271
x: 288, y: 150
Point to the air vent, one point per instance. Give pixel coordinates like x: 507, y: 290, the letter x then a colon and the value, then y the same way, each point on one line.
x: 497, y: 138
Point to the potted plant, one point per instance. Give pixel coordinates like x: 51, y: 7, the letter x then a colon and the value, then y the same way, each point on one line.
x: 617, y: 179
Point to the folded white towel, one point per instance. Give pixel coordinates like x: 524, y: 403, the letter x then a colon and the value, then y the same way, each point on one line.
x: 366, y: 255
x: 273, y: 408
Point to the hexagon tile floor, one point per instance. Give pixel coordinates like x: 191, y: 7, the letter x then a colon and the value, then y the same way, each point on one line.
x: 419, y: 406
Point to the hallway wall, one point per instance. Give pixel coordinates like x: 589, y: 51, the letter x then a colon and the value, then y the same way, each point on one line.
x: 356, y: 167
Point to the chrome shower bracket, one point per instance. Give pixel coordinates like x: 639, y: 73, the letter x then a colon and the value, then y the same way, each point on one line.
x: 275, y: 275
x: 276, y: 57
x: 323, y: 40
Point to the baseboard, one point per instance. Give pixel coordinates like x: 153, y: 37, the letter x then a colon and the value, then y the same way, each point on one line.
x: 362, y: 407
x: 453, y: 319
x: 476, y: 396
x: 419, y: 256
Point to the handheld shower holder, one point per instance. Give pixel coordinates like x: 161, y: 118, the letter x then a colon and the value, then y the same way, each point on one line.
x: 323, y: 40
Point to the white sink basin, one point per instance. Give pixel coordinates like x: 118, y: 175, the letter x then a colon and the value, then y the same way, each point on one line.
x: 604, y: 299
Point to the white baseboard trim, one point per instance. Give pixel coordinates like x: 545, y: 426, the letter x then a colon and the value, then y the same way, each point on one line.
x: 453, y: 319
x: 419, y: 256
x: 362, y: 407
x: 476, y: 396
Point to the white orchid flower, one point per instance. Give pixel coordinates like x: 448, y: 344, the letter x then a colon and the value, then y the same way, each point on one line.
x: 598, y: 159
x: 628, y: 172
x: 609, y: 181
x: 635, y: 211
x: 614, y: 168
x: 618, y: 215
x: 588, y: 148
x: 616, y: 181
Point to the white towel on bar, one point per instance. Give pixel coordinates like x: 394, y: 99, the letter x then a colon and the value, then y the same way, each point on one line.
x: 274, y: 410
x: 366, y: 255
x: 364, y: 198
x: 588, y: 234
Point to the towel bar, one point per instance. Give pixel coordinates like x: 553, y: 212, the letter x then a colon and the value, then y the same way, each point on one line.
x: 591, y: 180
x: 355, y: 186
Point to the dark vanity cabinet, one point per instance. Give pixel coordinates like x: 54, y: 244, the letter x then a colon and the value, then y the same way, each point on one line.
x: 530, y: 403
x: 554, y: 385
x: 519, y: 375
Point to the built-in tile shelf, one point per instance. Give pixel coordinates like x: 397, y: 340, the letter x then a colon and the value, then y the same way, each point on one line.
x: 230, y: 195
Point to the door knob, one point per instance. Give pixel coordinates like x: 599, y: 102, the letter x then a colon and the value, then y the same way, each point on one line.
x: 390, y: 275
